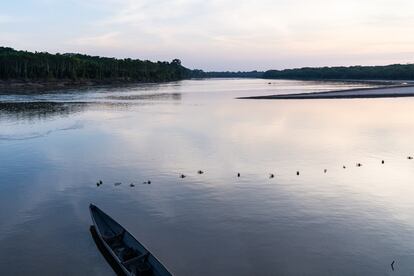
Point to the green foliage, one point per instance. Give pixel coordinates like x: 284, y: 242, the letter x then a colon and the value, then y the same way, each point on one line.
x: 23, y: 65
x: 389, y: 72
x: 42, y: 66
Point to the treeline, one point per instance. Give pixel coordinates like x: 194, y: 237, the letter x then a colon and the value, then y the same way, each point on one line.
x: 228, y: 74
x: 42, y: 66
x: 389, y: 72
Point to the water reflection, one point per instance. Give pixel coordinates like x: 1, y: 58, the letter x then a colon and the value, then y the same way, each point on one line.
x: 345, y: 222
x: 37, y: 110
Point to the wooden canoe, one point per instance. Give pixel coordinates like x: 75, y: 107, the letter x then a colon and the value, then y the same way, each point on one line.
x: 130, y: 254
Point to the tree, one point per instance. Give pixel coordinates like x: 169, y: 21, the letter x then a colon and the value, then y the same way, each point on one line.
x: 176, y: 62
x: 44, y: 66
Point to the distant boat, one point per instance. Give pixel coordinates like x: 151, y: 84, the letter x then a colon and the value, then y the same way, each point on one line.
x: 130, y: 254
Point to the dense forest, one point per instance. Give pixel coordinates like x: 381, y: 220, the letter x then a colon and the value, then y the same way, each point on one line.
x: 389, y: 72
x: 41, y: 66
x: 229, y: 74
x: 45, y: 67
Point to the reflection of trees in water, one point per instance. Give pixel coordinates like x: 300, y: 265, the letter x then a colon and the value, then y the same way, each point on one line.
x: 39, y: 110
x: 46, y: 109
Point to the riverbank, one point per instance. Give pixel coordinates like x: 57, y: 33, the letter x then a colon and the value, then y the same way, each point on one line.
x: 19, y: 86
x: 25, y: 87
x: 390, y: 91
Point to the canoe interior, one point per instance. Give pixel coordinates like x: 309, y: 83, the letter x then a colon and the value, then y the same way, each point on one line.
x: 109, y: 257
x: 131, y: 254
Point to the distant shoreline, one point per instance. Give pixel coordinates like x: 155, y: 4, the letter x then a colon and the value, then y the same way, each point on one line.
x: 390, y: 91
x: 21, y: 87
x: 45, y: 86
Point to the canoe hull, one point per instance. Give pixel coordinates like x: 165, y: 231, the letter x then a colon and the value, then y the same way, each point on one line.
x: 133, y: 258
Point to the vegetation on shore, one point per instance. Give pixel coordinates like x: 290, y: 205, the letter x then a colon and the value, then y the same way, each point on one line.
x: 229, y: 74
x: 42, y: 66
x: 388, y: 72
x: 79, y: 69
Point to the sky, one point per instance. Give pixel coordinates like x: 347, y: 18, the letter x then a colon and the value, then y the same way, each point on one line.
x: 217, y: 34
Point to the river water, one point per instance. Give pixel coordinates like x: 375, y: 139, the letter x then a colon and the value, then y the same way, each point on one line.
x: 55, y: 146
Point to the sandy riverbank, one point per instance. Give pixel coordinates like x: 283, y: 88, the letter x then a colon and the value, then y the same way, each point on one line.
x: 406, y: 90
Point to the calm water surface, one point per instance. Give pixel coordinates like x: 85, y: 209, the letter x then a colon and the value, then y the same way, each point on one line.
x: 54, y: 147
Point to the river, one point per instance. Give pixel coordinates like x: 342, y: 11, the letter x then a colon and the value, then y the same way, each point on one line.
x: 55, y: 146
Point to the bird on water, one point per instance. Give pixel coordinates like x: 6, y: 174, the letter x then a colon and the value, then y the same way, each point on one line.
x: 238, y: 174
x: 200, y: 172
x: 182, y: 176
x: 271, y: 175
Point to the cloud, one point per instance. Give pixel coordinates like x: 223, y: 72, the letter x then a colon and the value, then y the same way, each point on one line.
x: 243, y: 35
x: 103, y: 40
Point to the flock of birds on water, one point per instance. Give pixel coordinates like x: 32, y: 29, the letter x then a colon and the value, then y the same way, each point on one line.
x: 271, y: 175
